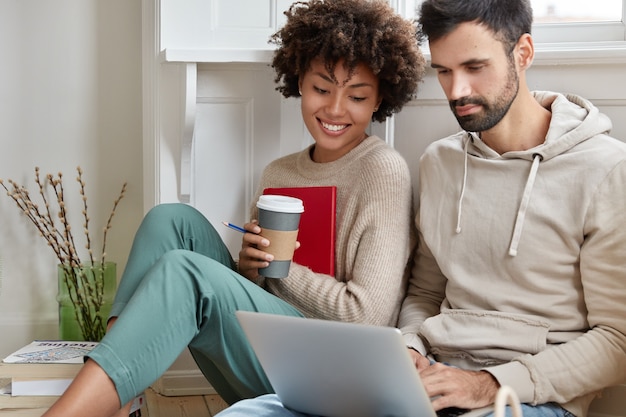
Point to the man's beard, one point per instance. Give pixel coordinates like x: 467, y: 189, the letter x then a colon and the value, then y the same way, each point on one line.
x: 491, y: 113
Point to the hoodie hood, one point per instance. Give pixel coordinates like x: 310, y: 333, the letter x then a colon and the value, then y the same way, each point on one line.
x: 574, y: 120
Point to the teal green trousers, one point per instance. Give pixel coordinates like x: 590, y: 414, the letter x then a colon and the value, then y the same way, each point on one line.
x: 179, y: 289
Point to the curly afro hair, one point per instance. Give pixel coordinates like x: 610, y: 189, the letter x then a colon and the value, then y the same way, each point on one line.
x: 365, y: 32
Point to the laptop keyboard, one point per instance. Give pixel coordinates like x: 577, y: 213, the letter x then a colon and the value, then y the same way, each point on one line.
x: 451, y: 412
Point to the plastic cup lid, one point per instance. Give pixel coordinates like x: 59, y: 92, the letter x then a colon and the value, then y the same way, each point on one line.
x: 280, y: 203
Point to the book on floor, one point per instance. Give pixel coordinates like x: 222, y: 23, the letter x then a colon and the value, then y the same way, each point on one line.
x: 8, y: 402
x: 316, y: 233
x: 13, y: 400
x: 39, y: 386
x: 23, y: 412
x: 46, y: 359
x: 33, y: 377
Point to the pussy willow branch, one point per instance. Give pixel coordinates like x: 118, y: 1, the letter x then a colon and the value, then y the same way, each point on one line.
x: 85, y: 215
x: 109, y: 221
x: 21, y: 197
x: 46, y: 218
x: 72, y: 256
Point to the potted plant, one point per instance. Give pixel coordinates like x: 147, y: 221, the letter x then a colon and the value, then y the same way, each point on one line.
x: 86, y: 284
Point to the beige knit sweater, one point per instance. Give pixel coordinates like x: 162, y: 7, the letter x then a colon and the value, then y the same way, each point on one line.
x: 373, y: 237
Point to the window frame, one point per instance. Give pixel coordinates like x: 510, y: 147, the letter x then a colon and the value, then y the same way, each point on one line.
x: 579, y: 32
x: 563, y: 43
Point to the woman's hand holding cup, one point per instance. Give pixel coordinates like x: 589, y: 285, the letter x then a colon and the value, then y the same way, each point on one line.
x: 252, y: 257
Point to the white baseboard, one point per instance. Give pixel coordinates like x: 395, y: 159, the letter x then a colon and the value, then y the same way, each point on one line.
x: 181, y: 383
x: 611, y: 404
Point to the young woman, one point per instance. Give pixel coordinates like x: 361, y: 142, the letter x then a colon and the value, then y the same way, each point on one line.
x: 350, y: 61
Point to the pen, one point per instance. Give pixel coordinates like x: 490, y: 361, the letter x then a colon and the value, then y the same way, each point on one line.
x: 235, y: 227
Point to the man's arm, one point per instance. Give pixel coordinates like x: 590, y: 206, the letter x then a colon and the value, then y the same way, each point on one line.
x: 597, y: 358
x: 425, y: 293
x: 452, y: 387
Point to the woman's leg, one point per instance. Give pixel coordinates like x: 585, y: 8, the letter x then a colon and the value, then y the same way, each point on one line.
x: 541, y: 410
x: 185, y: 299
x: 91, y: 393
x: 270, y: 406
x: 173, y: 298
x: 167, y: 227
x: 264, y: 406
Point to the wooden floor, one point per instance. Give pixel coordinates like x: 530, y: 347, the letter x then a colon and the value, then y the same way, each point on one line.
x: 195, y: 406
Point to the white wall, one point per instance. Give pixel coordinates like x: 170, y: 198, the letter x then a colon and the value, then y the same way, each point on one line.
x: 70, y: 94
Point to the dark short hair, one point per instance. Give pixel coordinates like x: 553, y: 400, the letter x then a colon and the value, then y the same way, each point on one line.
x: 507, y: 19
x: 357, y: 32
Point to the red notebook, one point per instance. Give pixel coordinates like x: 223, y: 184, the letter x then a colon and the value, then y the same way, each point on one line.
x: 317, y: 226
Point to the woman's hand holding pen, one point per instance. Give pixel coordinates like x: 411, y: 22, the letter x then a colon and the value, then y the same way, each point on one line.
x: 251, y: 257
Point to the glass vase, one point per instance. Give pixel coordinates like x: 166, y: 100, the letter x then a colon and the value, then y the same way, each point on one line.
x: 85, y: 298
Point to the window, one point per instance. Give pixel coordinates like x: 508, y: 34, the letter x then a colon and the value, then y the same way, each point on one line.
x: 559, y: 21
x: 577, y: 11
x: 578, y: 20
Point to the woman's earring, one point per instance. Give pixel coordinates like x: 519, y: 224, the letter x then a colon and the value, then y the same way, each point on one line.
x: 300, y: 92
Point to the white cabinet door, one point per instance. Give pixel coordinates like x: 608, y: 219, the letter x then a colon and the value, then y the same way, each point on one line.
x: 206, y: 24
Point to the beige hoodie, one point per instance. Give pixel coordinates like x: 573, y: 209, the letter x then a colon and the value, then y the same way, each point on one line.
x: 521, y: 262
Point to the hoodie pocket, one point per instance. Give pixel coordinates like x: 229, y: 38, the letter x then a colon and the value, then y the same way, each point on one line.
x: 484, y: 335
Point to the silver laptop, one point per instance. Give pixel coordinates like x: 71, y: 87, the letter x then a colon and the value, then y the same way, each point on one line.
x: 338, y: 369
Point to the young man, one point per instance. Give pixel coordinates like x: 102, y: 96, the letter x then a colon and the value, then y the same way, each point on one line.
x: 520, y: 271
x: 520, y: 274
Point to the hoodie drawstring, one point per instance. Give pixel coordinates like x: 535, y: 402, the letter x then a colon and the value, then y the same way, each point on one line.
x: 521, y: 212
x: 460, y: 206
